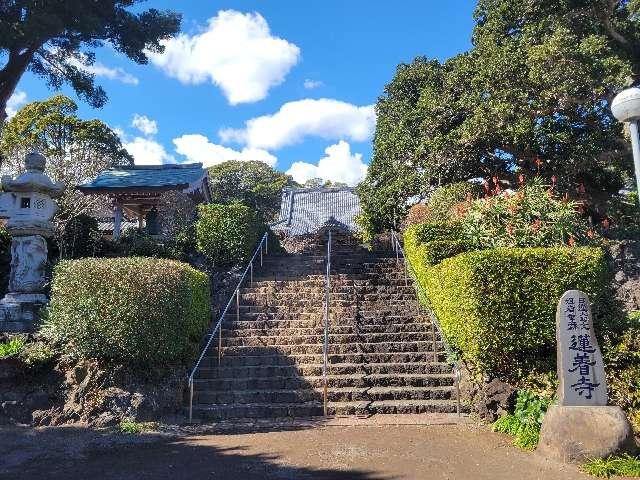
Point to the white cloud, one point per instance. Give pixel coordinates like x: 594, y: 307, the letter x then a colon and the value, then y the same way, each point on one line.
x: 236, y: 52
x: 144, y: 124
x: 339, y: 165
x: 325, y: 118
x: 100, y: 70
x: 15, y: 101
x: 198, y: 148
x: 311, y: 84
x: 148, y: 152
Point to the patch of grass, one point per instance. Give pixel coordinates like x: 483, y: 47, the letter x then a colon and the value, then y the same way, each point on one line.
x: 527, y: 435
x: 11, y: 347
x: 131, y: 427
x: 623, y: 465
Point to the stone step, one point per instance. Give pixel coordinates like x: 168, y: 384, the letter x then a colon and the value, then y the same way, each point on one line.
x: 298, y: 381
x: 300, y: 395
x: 311, y: 409
x: 257, y: 410
x: 315, y: 370
x: 416, y: 327
x: 392, y: 407
x: 280, y: 320
x: 334, y: 339
x: 272, y: 357
x: 317, y: 348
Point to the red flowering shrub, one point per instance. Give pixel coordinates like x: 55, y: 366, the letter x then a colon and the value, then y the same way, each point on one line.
x: 533, y: 217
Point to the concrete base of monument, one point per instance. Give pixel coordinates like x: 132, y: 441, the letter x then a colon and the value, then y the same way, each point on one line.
x: 20, y: 312
x: 576, y: 434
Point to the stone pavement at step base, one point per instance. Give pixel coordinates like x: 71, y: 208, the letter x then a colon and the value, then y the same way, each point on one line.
x: 379, y: 447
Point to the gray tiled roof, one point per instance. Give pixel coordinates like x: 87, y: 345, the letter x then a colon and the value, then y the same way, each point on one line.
x: 147, y: 176
x: 307, y: 210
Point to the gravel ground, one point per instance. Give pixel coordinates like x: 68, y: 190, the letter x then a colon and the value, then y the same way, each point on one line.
x: 352, y: 449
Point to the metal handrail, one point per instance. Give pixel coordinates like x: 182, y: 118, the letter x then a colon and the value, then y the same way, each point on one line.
x: 424, y: 303
x: 263, y: 245
x: 327, y: 298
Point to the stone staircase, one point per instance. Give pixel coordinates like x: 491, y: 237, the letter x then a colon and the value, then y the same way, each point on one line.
x: 381, y: 357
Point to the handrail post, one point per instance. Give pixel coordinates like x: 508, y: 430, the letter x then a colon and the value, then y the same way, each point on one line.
x: 325, y: 355
x: 433, y: 339
x: 220, y: 345
x: 238, y: 304
x: 251, y: 274
x: 190, y: 399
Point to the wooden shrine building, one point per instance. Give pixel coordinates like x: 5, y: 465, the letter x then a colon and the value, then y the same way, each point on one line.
x: 135, y: 191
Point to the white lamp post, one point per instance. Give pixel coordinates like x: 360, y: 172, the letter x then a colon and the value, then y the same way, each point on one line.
x: 626, y: 108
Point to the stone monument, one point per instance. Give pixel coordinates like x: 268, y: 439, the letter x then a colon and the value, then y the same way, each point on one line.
x: 581, y: 425
x: 27, y: 202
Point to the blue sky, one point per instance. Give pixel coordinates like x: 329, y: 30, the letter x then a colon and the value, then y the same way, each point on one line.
x: 288, y: 82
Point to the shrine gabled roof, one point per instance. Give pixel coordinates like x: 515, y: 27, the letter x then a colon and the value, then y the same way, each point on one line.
x: 307, y: 210
x: 146, y: 177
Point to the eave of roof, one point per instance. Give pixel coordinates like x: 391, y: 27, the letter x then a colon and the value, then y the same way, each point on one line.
x: 146, y: 178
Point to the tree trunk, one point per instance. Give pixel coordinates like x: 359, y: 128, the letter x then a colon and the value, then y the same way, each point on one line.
x: 10, y: 76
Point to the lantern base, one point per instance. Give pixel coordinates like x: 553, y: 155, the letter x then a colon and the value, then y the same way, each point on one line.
x: 20, y: 312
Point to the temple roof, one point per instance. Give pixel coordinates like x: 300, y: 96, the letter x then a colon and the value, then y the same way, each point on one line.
x: 307, y: 210
x: 146, y: 177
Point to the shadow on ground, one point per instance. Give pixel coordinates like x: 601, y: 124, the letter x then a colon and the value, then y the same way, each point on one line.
x: 71, y: 452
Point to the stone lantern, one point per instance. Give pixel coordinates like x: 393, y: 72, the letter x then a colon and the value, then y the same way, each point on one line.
x: 27, y: 202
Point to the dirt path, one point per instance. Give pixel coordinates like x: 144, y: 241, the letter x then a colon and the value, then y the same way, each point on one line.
x: 362, y: 452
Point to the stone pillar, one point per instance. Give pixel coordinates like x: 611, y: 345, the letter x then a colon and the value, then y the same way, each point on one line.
x: 28, y: 203
x: 581, y: 425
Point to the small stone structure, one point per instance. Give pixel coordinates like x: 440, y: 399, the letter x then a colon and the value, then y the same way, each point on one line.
x: 581, y: 426
x: 27, y: 202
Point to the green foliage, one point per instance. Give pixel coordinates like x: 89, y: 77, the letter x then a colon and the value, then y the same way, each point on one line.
x: 132, y: 428
x: 252, y: 183
x: 12, y: 347
x: 80, y: 238
x: 443, y: 200
x: 428, y: 244
x: 136, y: 243
x: 228, y: 234
x: 54, y: 40
x: 498, y: 306
x: 614, y: 466
x: 134, y: 311
x: 531, y: 96
x: 76, y: 149
x: 623, y: 213
x: 526, y: 420
x: 36, y: 355
x: 622, y: 358
x: 533, y: 217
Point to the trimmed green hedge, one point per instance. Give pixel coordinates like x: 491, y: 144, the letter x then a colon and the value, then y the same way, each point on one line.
x: 228, y: 234
x: 498, y: 306
x: 133, y: 311
x: 427, y: 244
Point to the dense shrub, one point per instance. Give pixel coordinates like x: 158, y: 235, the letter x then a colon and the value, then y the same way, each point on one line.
x: 622, y: 358
x: 622, y: 220
x: 228, y: 234
x: 417, y: 214
x: 137, y: 243
x: 442, y: 202
x: 534, y: 216
x: 80, y: 238
x: 498, y: 306
x: 140, y: 311
x: 429, y: 243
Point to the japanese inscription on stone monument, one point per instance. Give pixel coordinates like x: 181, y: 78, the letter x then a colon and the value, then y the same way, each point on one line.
x: 580, y: 369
